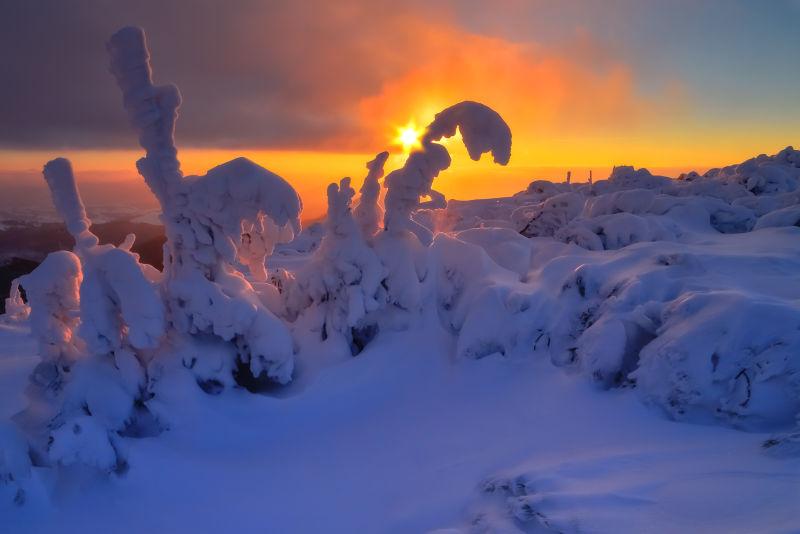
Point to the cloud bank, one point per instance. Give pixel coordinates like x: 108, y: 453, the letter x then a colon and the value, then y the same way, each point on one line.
x: 312, y: 75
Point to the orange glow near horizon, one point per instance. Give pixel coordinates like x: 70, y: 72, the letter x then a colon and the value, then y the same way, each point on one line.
x: 573, y: 103
x: 310, y: 172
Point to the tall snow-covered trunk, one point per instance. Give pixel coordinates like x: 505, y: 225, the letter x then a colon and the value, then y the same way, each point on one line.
x: 152, y: 110
x: 214, y: 224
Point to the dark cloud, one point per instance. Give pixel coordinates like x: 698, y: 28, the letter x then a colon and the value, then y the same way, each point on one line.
x: 252, y: 73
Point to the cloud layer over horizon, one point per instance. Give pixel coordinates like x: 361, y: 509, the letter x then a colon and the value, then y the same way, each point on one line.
x: 337, y: 76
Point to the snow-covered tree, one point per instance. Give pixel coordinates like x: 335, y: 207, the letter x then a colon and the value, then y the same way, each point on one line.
x: 120, y: 306
x: 342, y: 282
x: 482, y: 130
x: 86, y: 392
x: 205, y: 218
x: 368, y: 211
x: 53, y: 292
x: 402, y: 246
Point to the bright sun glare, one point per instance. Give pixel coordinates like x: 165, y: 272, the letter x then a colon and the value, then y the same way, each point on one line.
x: 408, y: 136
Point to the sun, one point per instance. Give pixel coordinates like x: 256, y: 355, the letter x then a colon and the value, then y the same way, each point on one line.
x: 409, y: 136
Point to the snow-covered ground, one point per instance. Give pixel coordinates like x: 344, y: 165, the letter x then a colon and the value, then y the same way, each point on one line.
x: 406, y: 438
x: 460, y: 419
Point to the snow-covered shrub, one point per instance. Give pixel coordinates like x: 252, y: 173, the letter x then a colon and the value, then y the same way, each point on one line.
x: 53, y: 292
x: 726, y: 354
x: 205, y: 218
x: 15, y: 307
x: 764, y: 174
x: 98, y: 383
x: 698, y: 186
x: 539, y: 190
x: 627, y: 177
x: 477, y: 299
x: 635, y: 201
x: 342, y: 282
x: 368, y: 212
x: 614, y: 231
x: 84, y: 440
x: 547, y: 217
x: 505, y: 247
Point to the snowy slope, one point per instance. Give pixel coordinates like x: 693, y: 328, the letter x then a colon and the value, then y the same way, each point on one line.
x: 404, y: 439
x: 508, y: 404
x: 543, y: 385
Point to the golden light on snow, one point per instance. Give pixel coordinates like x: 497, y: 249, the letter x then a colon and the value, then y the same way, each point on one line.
x: 409, y: 136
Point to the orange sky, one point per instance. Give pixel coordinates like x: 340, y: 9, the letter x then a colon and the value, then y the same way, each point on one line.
x: 310, y: 171
x: 582, y: 85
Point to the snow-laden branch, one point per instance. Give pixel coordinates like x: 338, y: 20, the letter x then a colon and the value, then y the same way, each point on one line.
x: 482, y: 129
x: 64, y: 192
x: 368, y: 212
x: 152, y: 110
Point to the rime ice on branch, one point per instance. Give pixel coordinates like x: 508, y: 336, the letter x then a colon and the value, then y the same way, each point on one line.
x: 205, y: 218
x: 52, y: 290
x: 368, y: 212
x: 16, y: 309
x: 120, y: 306
x: 482, y: 130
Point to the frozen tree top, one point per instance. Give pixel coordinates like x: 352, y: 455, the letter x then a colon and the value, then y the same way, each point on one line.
x: 239, y: 189
x: 482, y: 129
x: 61, y: 181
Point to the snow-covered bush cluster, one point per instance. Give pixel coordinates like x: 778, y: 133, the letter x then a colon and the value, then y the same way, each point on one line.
x: 361, y: 278
x: 687, y: 290
x: 340, y: 289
